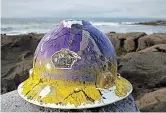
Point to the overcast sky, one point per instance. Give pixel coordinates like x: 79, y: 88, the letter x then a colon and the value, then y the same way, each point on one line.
x: 83, y: 8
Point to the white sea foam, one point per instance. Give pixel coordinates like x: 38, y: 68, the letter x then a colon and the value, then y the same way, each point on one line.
x: 105, y: 23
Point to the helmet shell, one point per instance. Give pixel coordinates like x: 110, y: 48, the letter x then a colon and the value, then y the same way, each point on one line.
x: 74, y: 67
x: 76, y: 51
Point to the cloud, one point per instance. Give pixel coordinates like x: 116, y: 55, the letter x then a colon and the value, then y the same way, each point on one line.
x: 84, y: 8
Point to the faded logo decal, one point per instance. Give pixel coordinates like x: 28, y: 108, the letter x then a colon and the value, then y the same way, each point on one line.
x: 64, y: 59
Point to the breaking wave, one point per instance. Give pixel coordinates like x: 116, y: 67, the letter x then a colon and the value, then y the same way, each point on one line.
x: 15, y: 27
x: 112, y: 23
x: 6, y: 29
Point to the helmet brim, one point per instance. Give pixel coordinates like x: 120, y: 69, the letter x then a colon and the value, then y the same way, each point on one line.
x: 110, y: 96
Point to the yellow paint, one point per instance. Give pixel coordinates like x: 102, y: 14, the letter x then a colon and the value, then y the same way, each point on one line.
x: 73, y: 92
x: 122, y: 87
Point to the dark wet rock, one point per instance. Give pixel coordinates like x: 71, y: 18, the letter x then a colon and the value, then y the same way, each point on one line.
x: 145, y: 70
x: 16, y: 59
x: 153, y: 101
x: 162, y: 81
x: 112, y: 32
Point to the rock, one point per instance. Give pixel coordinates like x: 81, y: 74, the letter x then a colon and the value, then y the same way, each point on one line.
x: 155, y: 48
x: 112, y: 32
x: 135, y: 41
x: 154, y: 23
x: 161, y: 82
x: 124, y: 43
x: 153, y: 101
x: 16, y: 59
x: 12, y: 102
x: 150, y: 40
x: 145, y: 70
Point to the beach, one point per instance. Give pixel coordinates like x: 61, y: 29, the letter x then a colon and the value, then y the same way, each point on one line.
x: 140, y: 49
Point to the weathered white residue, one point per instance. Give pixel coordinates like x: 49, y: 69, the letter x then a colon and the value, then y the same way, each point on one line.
x: 68, y: 23
x: 45, y: 91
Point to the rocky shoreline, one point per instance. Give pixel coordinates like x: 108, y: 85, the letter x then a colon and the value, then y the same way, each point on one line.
x: 153, y: 23
x: 141, y: 59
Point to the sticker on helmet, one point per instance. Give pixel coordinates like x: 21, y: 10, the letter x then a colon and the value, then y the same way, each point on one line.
x: 64, y: 59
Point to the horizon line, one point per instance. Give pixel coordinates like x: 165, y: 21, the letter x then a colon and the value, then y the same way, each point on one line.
x: 83, y: 17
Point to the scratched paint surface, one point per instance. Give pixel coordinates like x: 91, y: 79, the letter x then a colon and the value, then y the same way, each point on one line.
x: 71, y: 64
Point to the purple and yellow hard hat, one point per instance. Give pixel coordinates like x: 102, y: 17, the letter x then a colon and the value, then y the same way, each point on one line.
x: 74, y: 67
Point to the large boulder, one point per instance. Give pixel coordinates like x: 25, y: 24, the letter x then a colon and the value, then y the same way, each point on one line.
x: 16, y: 59
x: 151, y: 40
x: 155, y: 48
x: 154, y: 101
x: 145, y: 70
x: 125, y: 42
x: 135, y: 41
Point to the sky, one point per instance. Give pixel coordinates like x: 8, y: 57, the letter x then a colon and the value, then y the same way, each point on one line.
x: 83, y: 8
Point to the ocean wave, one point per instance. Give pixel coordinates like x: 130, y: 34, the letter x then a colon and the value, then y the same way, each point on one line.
x: 101, y: 25
x: 111, y: 23
x: 6, y: 29
x: 128, y: 23
x: 104, y: 23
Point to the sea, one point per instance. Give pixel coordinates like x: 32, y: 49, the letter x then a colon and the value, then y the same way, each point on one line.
x: 15, y: 26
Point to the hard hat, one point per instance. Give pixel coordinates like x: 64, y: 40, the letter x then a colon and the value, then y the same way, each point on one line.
x: 74, y: 67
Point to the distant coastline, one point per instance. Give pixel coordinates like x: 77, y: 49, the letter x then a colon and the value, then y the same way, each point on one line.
x: 153, y: 23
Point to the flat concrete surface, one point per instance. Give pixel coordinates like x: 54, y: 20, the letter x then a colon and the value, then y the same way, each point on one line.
x: 12, y: 102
